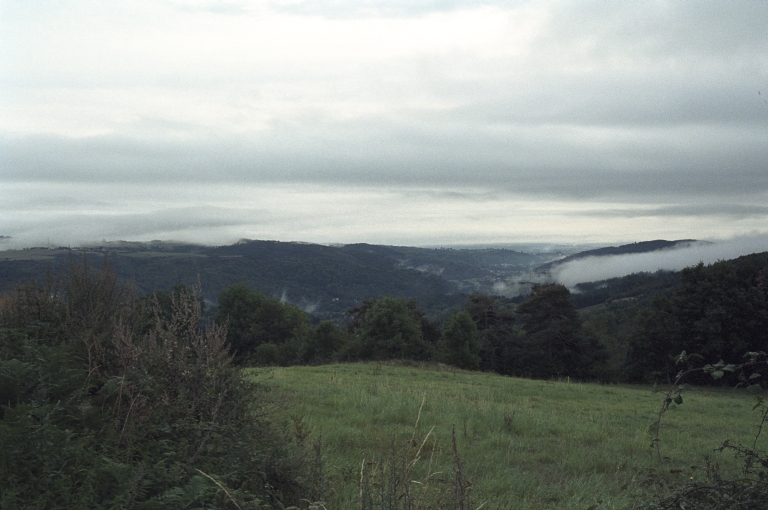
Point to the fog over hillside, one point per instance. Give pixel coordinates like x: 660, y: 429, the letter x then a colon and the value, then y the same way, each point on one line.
x: 601, y: 268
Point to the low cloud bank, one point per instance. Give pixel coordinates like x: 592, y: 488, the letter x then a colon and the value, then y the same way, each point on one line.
x: 601, y: 268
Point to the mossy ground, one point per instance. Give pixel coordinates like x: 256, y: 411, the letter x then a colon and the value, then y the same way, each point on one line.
x: 526, y: 444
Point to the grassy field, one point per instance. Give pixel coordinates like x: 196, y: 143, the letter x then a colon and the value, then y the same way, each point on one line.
x: 525, y: 444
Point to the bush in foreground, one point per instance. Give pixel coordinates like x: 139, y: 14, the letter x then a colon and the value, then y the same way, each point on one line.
x: 106, y: 403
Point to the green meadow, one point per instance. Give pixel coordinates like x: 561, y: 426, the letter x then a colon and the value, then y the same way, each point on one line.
x: 524, y: 444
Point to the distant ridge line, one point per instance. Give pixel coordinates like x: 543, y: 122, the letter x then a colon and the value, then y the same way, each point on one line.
x: 624, y: 249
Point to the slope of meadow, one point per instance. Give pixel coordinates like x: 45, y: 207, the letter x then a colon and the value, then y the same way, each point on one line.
x: 525, y: 444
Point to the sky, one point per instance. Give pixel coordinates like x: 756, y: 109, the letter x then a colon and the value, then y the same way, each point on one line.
x: 419, y: 122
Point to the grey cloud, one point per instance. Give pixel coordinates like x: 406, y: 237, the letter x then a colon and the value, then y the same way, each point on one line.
x: 51, y: 202
x: 558, y: 161
x: 182, y: 218
x: 340, y: 9
x: 213, y: 6
x: 729, y: 210
x: 172, y: 222
x: 700, y: 28
x: 627, y: 18
x: 468, y: 196
x: 624, y: 102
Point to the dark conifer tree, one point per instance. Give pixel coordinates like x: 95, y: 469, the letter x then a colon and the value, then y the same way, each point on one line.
x: 461, y: 344
x: 555, y: 344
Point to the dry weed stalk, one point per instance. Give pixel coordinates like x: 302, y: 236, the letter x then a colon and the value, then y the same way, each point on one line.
x: 388, y: 483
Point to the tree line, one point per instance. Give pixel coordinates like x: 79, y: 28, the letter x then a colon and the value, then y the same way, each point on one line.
x: 542, y: 337
x: 717, y: 311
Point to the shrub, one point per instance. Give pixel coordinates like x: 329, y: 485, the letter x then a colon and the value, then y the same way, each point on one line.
x: 460, y: 345
x: 108, y: 404
x: 388, y: 330
x: 254, y: 319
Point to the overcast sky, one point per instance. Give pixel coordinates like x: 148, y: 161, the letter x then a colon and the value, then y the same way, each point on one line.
x: 399, y: 122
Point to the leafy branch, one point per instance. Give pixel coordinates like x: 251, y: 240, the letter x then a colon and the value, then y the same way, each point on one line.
x: 674, y: 396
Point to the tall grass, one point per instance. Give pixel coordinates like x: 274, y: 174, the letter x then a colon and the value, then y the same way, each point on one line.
x: 524, y: 444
